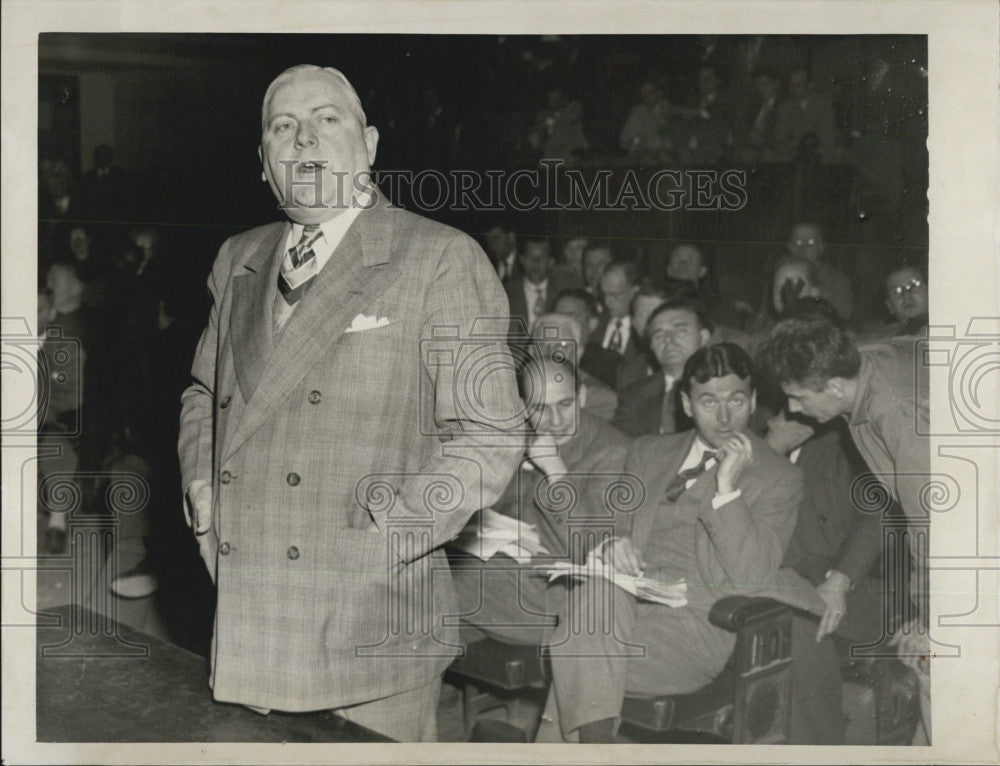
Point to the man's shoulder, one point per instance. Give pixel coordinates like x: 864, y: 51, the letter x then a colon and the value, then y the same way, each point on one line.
x: 771, y: 466
x: 653, y: 445
x: 256, y: 235
x: 652, y: 385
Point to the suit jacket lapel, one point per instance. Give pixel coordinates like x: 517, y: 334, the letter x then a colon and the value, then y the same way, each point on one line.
x: 662, y: 469
x: 347, y: 283
x: 253, y: 296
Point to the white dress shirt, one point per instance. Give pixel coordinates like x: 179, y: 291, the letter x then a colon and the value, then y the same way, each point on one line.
x: 626, y: 329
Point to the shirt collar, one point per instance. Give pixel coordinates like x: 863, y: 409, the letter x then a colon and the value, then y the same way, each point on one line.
x: 333, y: 230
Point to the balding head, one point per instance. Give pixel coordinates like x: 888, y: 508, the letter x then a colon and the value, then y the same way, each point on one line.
x: 558, y: 336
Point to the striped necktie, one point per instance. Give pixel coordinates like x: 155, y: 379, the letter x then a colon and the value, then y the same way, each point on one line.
x: 676, y: 488
x: 298, y: 269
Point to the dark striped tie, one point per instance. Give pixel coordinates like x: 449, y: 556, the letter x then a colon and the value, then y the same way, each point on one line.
x: 676, y: 488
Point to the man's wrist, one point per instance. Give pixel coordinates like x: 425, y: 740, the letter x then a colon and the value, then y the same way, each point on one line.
x: 838, y: 579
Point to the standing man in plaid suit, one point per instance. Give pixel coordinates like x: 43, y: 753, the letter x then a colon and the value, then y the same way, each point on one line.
x: 324, y: 456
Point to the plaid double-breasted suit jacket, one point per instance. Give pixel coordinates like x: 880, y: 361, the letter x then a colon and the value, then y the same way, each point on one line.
x: 341, y: 460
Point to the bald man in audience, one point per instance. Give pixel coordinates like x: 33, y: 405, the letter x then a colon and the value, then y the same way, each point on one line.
x: 570, y: 454
x: 806, y: 241
x: 555, y: 334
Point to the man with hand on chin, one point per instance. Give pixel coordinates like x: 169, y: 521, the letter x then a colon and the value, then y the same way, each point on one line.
x: 315, y: 423
x: 719, y: 509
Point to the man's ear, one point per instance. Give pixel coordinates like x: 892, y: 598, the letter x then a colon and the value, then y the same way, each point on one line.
x: 753, y: 402
x: 686, y: 404
x: 260, y: 156
x: 581, y: 397
x: 836, y: 386
x: 371, y: 142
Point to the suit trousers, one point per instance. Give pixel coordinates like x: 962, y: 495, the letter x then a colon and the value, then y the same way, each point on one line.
x: 817, y: 713
x: 615, y: 645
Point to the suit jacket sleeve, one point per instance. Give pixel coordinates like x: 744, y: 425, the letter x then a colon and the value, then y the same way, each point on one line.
x: 477, y: 411
x: 195, y: 445
x: 751, y: 533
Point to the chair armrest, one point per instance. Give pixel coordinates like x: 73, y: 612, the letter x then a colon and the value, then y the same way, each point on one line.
x: 736, y: 612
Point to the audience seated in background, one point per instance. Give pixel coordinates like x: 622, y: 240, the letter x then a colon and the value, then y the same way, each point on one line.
x: 675, y: 330
x: 558, y: 130
x: 559, y: 336
x: 804, y: 112
x: 645, y: 301
x: 806, y: 241
x: 906, y: 303
x: 645, y: 132
x: 500, y: 244
x: 570, y: 454
x: 719, y: 510
x: 572, y: 256
x: 755, y: 133
x: 597, y: 256
x: 534, y: 292
x: 615, y: 354
x: 59, y: 401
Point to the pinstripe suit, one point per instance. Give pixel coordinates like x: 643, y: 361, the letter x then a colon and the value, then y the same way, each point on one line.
x: 322, y: 445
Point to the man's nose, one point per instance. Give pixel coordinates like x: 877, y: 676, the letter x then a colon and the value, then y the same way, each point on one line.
x: 724, y: 416
x: 305, y: 136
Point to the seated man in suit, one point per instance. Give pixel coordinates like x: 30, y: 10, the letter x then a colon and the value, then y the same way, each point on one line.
x: 674, y: 332
x: 557, y: 334
x: 518, y: 604
x: 719, y: 509
x: 615, y: 356
x: 597, y: 256
x: 533, y: 292
x: 833, y: 548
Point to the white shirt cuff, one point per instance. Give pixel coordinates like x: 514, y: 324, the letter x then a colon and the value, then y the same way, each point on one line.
x: 720, y: 500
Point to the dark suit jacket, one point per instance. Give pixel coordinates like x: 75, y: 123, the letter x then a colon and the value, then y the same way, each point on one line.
x: 613, y: 369
x: 319, y: 444
x: 640, y: 409
x: 831, y: 533
x: 559, y: 280
x: 740, y: 546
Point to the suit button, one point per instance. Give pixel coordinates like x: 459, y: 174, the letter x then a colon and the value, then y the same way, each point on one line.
x: 225, y: 402
x: 225, y: 477
x: 293, y: 479
x: 315, y: 396
x: 293, y: 552
x: 224, y: 549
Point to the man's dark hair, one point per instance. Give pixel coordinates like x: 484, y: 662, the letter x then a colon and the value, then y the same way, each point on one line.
x: 717, y: 361
x: 680, y: 304
x: 812, y: 307
x: 808, y: 352
x: 588, y: 300
x: 630, y: 270
x: 533, y: 239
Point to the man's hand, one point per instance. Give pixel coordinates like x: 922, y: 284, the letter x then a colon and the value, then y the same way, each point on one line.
x: 834, y: 592
x: 734, y: 456
x: 786, y: 434
x: 621, y: 553
x: 543, y: 451
x: 198, y: 506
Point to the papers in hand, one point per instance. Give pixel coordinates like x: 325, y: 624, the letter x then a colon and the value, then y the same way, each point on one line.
x: 489, y: 533
x: 643, y: 588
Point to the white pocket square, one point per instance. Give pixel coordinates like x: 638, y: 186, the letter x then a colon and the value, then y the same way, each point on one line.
x: 362, y: 322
